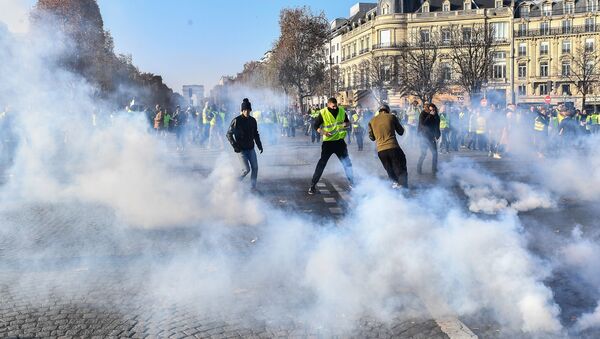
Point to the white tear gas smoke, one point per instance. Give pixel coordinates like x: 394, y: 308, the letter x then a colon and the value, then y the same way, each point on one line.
x: 389, y: 252
x: 582, y: 255
x: 488, y: 194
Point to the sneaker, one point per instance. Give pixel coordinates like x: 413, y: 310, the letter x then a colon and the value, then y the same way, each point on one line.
x: 497, y: 156
x: 396, y: 186
x: 312, y: 190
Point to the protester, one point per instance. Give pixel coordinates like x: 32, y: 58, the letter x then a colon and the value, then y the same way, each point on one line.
x: 242, y: 134
x: 332, y: 123
x: 429, y: 133
x: 382, y: 130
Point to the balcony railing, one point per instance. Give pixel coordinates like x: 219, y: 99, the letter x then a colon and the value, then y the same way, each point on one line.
x: 558, y: 31
x: 555, y: 12
x: 363, y: 51
x: 389, y: 46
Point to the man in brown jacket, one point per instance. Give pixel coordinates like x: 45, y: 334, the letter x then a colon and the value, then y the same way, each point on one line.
x: 382, y: 130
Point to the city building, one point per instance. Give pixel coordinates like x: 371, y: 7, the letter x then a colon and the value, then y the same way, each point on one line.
x: 193, y: 95
x: 535, y: 47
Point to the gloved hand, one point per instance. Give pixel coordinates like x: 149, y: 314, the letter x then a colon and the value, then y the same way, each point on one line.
x: 236, y: 149
x: 260, y: 150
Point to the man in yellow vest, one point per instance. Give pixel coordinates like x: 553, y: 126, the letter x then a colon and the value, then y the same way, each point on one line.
x: 540, y: 127
x: 595, y: 123
x: 358, y: 128
x: 332, y: 123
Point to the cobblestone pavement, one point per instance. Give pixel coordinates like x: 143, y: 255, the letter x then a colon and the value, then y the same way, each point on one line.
x: 70, y: 270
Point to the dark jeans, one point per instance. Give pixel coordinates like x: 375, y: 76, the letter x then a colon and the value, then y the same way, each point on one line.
x: 394, y: 162
x: 328, y: 148
x: 249, y: 162
x: 359, y: 135
x: 314, y: 135
x: 445, y: 143
x: 431, y: 145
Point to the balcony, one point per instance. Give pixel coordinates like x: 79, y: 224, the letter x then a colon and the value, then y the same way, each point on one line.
x: 363, y: 51
x: 555, y: 12
x: 558, y: 31
x: 389, y: 46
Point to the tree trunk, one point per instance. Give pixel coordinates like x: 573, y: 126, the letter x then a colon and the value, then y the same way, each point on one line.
x: 583, y: 97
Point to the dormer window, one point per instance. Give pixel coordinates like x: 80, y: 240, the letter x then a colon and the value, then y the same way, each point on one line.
x: 467, y: 5
x: 591, y: 5
x: 547, y: 9
x: 385, y: 9
x: 446, y: 6
x: 569, y: 7
x: 499, y: 4
x: 524, y: 11
x: 425, y: 8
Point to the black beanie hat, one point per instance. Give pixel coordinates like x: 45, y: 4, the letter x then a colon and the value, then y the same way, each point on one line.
x: 246, y: 105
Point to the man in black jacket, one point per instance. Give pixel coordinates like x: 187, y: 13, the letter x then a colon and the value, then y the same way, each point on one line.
x: 429, y: 133
x: 242, y: 134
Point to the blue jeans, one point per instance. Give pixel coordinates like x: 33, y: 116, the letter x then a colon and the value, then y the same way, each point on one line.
x: 249, y: 163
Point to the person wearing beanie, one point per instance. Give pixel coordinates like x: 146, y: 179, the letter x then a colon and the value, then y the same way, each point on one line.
x: 332, y: 122
x: 242, y: 134
x: 382, y: 130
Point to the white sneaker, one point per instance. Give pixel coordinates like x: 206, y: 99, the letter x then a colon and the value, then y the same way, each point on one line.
x: 497, y: 156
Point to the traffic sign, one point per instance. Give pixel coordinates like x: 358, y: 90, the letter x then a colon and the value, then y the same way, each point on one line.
x: 483, y: 102
x: 547, y: 99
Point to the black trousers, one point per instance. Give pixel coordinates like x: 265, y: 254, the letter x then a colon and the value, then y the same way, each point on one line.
x: 428, y: 145
x: 329, y: 148
x: 394, y: 162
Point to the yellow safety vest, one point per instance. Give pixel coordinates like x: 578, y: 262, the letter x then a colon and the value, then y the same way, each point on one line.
x: 595, y: 119
x: 335, y: 126
x: 357, y: 120
x: 539, y: 125
x: 480, y: 125
x: 205, y: 116
x: 444, y: 121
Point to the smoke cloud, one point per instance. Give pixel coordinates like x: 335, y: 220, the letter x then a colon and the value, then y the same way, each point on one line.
x: 387, y: 258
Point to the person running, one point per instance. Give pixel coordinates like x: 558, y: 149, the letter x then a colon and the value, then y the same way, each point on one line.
x: 382, y: 130
x: 242, y: 134
x: 429, y: 133
x: 332, y: 122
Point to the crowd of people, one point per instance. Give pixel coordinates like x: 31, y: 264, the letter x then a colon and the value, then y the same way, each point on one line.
x: 498, y: 131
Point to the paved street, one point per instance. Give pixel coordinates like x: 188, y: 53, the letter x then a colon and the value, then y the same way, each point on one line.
x: 71, y: 269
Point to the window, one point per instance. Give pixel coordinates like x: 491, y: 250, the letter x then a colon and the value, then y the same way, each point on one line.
x: 569, y: 7
x: 524, y: 11
x: 498, y: 3
x: 545, y: 28
x: 522, y: 71
x: 466, y: 32
x: 446, y: 7
x: 499, y: 56
x: 543, y: 89
x: 368, y: 43
x: 500, y: 30
x: 467, y: 5
x: 547, y: 9
x: 522, y: 29
x: 544, y: 69
x: 591, y: 5
x: 385, y: 9
x: 425, y: 8
x: 424, y: 36
x: 589, y: 45
x: 522, y: 90
x: 566, y: 46
x: 446, y: 72
x: 566, y: 26
x: 522, y: 49
x: 385, y: 38
x: 590, y: 24
x: 566, y: 89
x: 566, y: 68
x: 446, y: 36
x: 499, y: 71
x: 544, y: 48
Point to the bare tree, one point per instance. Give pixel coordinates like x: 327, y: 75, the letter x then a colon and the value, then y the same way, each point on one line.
x: 472, y: 55
x: 422, y: 74
x: 585, y: 71
x: 380, y: 75
x: 298, y: 53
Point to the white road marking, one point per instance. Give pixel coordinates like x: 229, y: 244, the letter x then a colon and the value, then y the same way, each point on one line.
x: 448, y: 323
x: 330, y: 200
x: 324, y: 192
x: 335, y: 210
x: 321, y: 185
